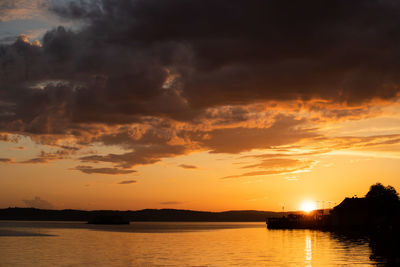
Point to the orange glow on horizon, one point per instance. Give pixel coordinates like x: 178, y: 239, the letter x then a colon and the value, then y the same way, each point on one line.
x: 308, y: 206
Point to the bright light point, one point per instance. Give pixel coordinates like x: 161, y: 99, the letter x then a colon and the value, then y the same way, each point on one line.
x: 308, y: 206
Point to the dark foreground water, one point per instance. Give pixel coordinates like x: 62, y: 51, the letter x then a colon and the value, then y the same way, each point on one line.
x: 175, y: 244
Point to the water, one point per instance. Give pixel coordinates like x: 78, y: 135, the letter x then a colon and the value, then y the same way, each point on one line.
x: 174, y: 244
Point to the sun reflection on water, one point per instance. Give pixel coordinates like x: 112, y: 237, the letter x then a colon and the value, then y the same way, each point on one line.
x: 308, y: 251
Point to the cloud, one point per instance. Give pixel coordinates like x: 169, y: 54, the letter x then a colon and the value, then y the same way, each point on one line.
x: 6, y: 160
x: 186, y: 166
x: 274, y: 166
x: 128, y: 182
x: 19, y: 148
x: 262, y: 173
x: 280, y: 163
x: 36, y: 161
x: 270, y: 58
x: 9, y: 138
x: 245, y: 76
x: 141, y: 155
x: 20, y: 9
x: 38, y: 203
x: 45, y: 157
x: 291, y: 161
x: 276, y: 51
x: 284, y: 131
x: 109, y: 171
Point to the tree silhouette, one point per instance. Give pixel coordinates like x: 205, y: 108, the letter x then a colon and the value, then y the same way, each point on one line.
x: 379, y: 192
x: 383, y: 203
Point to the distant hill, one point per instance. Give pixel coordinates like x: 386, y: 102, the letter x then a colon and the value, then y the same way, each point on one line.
x: 139, y: 215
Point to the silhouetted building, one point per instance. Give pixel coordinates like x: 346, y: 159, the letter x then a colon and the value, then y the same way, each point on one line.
x: 351, y: 212
x: 365, y: 213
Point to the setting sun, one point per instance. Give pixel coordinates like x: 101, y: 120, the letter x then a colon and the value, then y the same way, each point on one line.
x: 308, y: 206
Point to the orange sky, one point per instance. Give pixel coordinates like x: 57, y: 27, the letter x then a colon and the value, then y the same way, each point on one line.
x: 223, y: 110
x: 351, y: 155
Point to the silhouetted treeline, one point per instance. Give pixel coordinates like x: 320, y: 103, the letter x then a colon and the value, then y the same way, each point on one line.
x: 140, y: 215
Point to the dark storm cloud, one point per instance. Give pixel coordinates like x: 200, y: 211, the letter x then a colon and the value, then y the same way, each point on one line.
x: 244, y: 51
x: 220, y: 52
x: 8, y: 39
x: 172, y: 61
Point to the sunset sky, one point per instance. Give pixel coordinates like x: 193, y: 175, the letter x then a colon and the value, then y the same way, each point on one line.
x: 206, y: 105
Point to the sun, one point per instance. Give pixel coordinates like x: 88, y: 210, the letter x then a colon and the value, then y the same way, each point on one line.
x: 308, y: 206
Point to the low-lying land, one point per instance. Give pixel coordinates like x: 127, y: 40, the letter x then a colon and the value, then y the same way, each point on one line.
x: 159, y: 215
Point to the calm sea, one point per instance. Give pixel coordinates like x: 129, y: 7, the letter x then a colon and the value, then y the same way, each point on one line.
x: 174, y: 244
